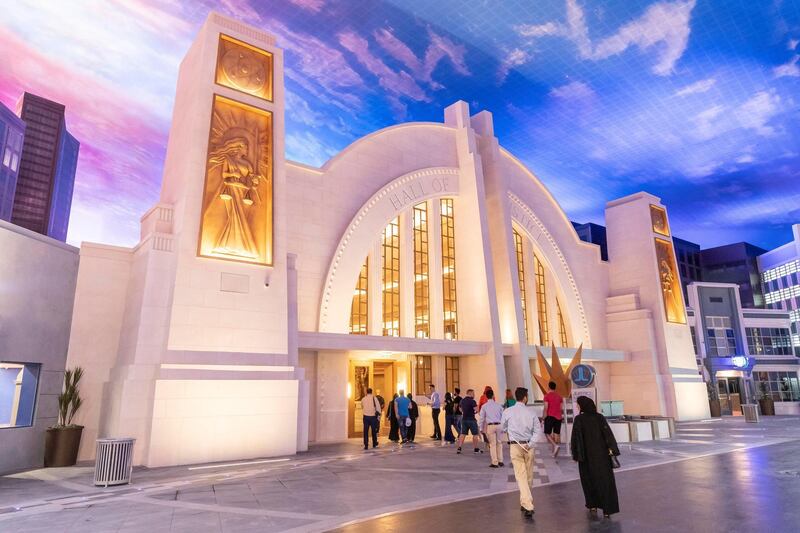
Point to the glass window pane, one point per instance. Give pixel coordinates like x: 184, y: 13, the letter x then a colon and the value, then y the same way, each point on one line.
x: 18, y: 384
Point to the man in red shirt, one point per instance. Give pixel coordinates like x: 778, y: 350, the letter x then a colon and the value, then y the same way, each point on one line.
x: 553, y: 417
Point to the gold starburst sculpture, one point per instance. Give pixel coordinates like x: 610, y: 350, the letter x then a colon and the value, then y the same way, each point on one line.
x: 555, y: 372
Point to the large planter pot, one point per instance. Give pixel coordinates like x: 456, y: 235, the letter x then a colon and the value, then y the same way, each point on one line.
x: 715, y: 408
x: 767, y: 406
x: 61, y: 446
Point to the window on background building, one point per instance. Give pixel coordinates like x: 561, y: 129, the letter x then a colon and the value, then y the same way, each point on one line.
x: 562, y: 328
x: 451, y: 373
x: 449, y: 269
x: 521, y: 276
x: 12, y: 150
x: 390, y: 252
x: 422, y: 374
x: 422, y: 324
x: 694, y: 339
x: 781, y: 386
x: 18, y: 384
x: 541, y: 300
x: 721, y: 341
x: 769, y: 341
x: 359, y: 311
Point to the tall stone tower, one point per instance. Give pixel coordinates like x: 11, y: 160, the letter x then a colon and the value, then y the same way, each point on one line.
x: 206, y: 368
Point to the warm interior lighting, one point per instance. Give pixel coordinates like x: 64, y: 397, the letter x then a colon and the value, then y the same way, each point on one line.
x: 349, y: 390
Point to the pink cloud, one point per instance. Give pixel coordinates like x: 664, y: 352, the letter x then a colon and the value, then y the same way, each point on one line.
x: 438, y: 49
x: 395, y: 83
x: 122, y: 142
x: 310, y: 5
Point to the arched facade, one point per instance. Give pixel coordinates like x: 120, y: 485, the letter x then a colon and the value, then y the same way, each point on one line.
x: 471, y: 264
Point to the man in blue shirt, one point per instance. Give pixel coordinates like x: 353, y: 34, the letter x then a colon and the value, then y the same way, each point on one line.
x: 436, y: 408
x: 401, y: 412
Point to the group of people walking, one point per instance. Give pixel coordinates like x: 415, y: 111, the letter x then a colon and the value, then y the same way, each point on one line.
x: 592, y: 443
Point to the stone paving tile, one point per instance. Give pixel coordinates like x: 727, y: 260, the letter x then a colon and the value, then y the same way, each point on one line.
x: 330, y: 480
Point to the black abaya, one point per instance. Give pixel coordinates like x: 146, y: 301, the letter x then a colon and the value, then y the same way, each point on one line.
x: 394, y: 429
x: 591, y: 441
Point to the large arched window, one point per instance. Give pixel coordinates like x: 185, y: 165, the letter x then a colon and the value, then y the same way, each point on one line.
x: 449, y: 269
x: 390, y: 254
x: 547, y: 324
x: 414, y: 263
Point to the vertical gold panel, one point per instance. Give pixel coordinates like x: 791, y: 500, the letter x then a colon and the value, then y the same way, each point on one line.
x: 237, y: 200
x: 670, y: 282
x: 658, y: 216
x: 244, y: 68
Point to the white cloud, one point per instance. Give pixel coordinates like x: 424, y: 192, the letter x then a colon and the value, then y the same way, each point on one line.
x: 514, y: 58
x: 758, y: 110
x: 792, y: 44
x: 697, y: 87
x: 664, y: 27
x: 576, y: 90
x: 706, y: 126
x: 745, y: 158
x: 788, y: 69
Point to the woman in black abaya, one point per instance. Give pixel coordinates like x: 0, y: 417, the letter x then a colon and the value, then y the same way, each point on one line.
x: 394, y: 429
x: 592, y: 444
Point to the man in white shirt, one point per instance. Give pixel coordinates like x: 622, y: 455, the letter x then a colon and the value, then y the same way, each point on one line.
x: 523, y: 428
x: 490, y: 418
x: 436, y: 408
x: 371, y: 410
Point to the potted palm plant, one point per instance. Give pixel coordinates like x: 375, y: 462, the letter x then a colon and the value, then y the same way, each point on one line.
x: 766, y: 403
x: 63, y: 440
x: 713, y: 399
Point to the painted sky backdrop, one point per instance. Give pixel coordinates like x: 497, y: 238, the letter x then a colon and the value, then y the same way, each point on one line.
x: 696, y: 101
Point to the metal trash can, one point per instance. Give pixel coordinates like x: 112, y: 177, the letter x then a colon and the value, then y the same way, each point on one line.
x: 114, y: 462
x: 750, y: 411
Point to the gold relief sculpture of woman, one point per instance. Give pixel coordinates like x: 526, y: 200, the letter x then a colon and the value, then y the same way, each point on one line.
x: 238, y: 190
x: 237, y: 202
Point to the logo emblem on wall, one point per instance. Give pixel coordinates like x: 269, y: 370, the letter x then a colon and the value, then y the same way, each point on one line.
x: 582, y: 375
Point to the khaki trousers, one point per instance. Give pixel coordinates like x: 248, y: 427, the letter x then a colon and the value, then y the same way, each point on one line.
x: 523, y: 470
x: 494, y: 434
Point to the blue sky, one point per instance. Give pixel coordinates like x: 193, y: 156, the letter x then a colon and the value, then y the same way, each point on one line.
x: 693, y: 101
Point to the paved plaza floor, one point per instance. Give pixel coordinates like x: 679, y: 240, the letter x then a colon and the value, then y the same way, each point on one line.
x: 720, y: 475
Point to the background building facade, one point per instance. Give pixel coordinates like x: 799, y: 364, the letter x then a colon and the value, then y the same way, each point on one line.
x: 43, y: 197
x: 39, y: 278
x: 780, y: 278
x: 12, y: 131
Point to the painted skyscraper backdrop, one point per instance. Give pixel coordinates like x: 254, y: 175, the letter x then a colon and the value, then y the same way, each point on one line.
x: 695, y: 101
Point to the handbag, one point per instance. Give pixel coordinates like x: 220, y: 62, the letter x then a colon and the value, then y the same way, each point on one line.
x: 614, y: 460
x: 408, y: 422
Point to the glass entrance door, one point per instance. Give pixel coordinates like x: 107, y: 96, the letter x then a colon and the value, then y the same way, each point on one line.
x: 360, y: 379
x: 730, y: 396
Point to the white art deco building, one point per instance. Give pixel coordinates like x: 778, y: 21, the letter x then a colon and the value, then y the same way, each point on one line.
x: 265, y: 295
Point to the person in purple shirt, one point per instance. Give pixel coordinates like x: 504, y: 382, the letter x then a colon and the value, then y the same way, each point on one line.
x: 469, y: 423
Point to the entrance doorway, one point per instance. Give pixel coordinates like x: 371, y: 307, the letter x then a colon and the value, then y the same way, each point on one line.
x: 383, y: 377
x: 730, y: 395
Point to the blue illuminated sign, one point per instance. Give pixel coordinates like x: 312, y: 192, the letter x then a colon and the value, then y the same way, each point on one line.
x: 582, y: 375
x: 739, y: 361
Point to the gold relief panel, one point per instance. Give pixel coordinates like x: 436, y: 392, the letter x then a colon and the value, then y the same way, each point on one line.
x: 658, y: 216
x: 670, y: 282
x: 237, y: 200
x: 243, y: 67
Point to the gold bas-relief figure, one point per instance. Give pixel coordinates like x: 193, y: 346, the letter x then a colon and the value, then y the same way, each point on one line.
x: 670, y: 283
x: 237, y: 201
x: 658, y: 216
x: 244, y: 68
